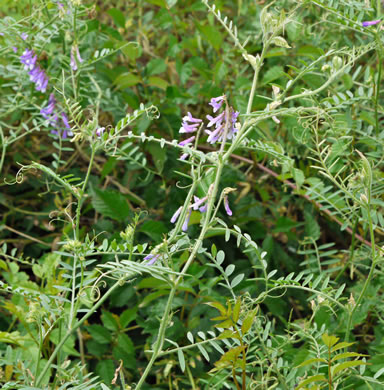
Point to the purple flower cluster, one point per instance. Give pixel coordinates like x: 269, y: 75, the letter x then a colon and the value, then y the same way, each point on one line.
x: 225, y: 127
x: 222, y: 126
x: 220, y: 122
x: 59, y: 122
x: 36, y: 74
x: 28, y: 58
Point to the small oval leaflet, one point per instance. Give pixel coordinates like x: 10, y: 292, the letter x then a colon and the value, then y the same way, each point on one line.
x: 229, y: 270
x: 237, y: 279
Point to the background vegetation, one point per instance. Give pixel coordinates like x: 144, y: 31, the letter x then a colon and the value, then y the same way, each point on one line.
x: 284, y: 293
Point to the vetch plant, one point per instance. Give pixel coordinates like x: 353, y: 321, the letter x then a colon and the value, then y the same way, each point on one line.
x: 121, y: 244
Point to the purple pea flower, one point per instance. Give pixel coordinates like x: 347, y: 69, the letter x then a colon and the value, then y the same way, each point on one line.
x: 75, y: 50
x: 370, y: 23
x: 73, y: 62
x: 100, y: 131
x: 48, y: 111
x: 14, y: 48
x: 184, y: 228
x: 59, y: 122
x: 217, y: 102
x: 60, y: 6
x: 24, y: 36
x: 65, y: 129
x: 218, y: 133
x: 226, y: 206
x: 28, y: 58
x: 38, y: 76
x: 189, y: 127
x: 187, y: 141
x: 176, y: 215
x: 78, y: 54
x: 217, y: 120
x: 200, y: 204
x: 151, y: 259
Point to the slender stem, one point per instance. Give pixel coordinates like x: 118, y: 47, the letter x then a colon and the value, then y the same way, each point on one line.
x: 369, y: 277
x: 253, y: 89
x: 3, y: 148
x: 70, y: 331
x: 378, y: 82
x: 159, y: 341
x: 78, y: 301
x: 81, y: 198
x: 26, y: 236
x: 190, y: 376
x: 330, y: 80
x: 166, y: 316
x: 40, y: 327
x: 235, y: 379
x: 72, y: 309
x: 82, y: 352
x: 329, y: 369
x: 351, y: 250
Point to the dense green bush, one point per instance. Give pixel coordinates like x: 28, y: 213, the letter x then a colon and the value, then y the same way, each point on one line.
x: 192, y: 194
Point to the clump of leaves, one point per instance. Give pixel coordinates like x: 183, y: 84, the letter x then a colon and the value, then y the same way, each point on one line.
x: 336, y: 366
x: 234, y: 327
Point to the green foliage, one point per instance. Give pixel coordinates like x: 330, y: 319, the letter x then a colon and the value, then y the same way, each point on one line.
x: 99, y: 290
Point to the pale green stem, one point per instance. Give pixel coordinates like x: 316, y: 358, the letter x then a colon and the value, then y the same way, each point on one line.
x: 74, y: 307
x: 369, y: 277
x: 81, y: 197
x: 160, y: 337
x: 72, y: 310
x: 3, y: 147
x: 255, y: 80
x: 40, y: 330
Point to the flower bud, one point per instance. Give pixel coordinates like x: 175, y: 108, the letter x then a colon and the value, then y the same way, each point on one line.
x: 337, y: 62
x: 351, y: 301
x: 363, y: 198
